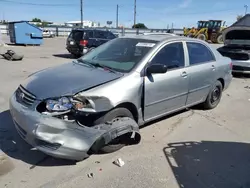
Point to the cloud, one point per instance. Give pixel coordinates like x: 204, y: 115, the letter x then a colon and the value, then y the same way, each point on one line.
x: 185, y: 3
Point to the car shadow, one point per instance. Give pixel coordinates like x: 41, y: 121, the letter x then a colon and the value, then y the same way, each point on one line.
x: 210, y: 164
x: 15, y: 147
x: 66, y: 56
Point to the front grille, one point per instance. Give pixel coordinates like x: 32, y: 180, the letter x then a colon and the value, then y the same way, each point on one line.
x: 236, y: 56
x: 25, y: 97
x: 240, y: 68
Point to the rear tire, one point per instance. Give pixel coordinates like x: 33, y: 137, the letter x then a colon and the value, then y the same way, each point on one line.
x: 220, y: 39
x: 201, y: 37
x: 117, y: 143
x: 214, y: 96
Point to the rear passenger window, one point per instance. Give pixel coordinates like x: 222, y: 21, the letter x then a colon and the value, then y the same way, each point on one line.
x: 199, y: 53
x: 89, y: 34
x: 100, y: 34
x: 77, y: 35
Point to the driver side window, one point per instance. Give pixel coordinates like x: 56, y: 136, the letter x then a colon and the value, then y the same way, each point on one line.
x: 171, y: 55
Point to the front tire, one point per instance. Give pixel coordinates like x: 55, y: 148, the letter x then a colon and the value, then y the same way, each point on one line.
x: 214, y: 96
x: 117, y: 143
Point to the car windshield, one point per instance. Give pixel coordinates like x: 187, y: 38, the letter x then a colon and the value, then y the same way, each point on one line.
x: 121, y: 54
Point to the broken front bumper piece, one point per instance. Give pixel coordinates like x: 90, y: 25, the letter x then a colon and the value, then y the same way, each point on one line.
x: 63, y: 139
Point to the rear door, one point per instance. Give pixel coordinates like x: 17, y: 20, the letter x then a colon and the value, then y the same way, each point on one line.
x: 100, y: 37
x: 201, y: 72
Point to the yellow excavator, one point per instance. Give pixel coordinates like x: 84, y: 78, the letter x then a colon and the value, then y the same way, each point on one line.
x: 207, y: 30
x: 194, y: 32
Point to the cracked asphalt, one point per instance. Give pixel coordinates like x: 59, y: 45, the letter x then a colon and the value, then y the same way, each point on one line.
x: 193, y: 148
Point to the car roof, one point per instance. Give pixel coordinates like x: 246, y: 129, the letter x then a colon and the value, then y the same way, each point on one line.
x: 159, y: 37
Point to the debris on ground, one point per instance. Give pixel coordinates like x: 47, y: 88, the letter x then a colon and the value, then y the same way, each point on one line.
x: 90, y: 175
x: 97, y: 162
x: 247, y: 87
x: 119, y: 162
x: 12, y: 56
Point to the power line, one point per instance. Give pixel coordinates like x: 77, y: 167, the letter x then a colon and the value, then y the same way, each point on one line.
x: 36, y: 4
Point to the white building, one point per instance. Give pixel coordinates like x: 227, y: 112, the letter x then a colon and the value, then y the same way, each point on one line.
x: 86, y: 23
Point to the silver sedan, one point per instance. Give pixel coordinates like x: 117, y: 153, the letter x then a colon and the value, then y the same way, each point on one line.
x: 99, y: 101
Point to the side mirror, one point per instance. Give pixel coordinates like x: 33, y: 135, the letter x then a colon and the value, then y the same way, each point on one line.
x: 156, y: 69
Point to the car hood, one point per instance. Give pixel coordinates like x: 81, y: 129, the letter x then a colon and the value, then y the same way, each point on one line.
x: 66, y: 79
x: 236, y: 35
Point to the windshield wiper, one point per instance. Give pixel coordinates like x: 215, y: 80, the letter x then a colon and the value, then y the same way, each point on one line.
x: 85, y: 62
x: 96, y: 65
x: 104, y: 67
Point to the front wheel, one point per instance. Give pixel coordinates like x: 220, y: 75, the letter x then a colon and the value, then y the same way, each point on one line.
x: 214, y: 96
x: 117, y: 143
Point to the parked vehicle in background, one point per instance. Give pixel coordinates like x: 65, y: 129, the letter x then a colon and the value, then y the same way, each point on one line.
x: 81, y: 41
x: 237, y: 45
x: 48, y: 33
x: 69, y: 110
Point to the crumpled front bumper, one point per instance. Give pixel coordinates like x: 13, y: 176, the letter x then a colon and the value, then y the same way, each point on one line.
x: 63, y: 139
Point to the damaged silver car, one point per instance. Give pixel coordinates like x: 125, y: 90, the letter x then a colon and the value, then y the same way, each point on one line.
x: 97, y: 102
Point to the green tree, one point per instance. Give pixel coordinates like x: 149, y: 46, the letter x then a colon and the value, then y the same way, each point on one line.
x: 36, y: 20
x: 139, y: 26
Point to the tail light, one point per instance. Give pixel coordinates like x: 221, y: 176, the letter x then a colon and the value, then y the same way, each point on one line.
x: 231, y: 65
x: 83, y: 43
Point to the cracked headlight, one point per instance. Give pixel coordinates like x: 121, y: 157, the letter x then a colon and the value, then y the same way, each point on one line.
x: 59, y: 105
x: 65, y: 104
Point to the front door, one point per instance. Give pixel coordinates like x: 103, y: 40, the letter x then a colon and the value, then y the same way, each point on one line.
x: 166, y: 92
x: 201, y: 72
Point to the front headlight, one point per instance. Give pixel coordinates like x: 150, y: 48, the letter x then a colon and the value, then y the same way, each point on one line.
x: 64, y: 104
x: 59, y: 105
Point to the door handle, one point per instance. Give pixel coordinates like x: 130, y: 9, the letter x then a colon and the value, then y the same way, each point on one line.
x: 213, y: 67
x: 184, y: 74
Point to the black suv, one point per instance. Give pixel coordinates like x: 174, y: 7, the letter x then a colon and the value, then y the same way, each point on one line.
x: 81, y: 41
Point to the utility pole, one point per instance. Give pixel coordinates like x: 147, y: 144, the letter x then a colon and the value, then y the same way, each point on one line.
x: 246, y: 7
x: 81, y: 15
x: 135, y: 13
x: 117, y: 14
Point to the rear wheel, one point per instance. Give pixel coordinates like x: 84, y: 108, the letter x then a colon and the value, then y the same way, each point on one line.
x: 201, y: 37
x: 214, y: 96
x: 117, y: 143
x: 220, y: 39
